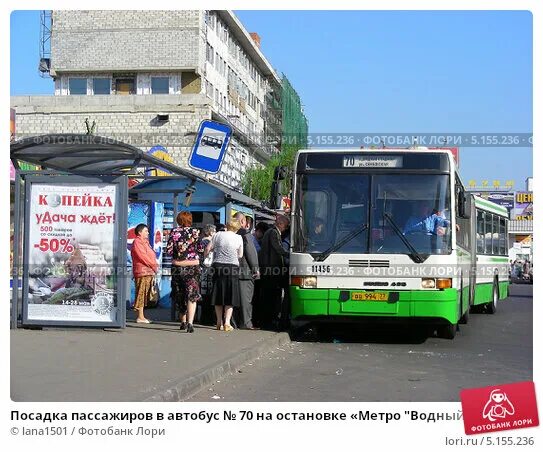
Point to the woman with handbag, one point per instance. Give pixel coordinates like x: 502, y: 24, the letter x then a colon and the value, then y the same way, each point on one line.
x: 144, y: 267
x: 185, y: 247
x: 227, y: 248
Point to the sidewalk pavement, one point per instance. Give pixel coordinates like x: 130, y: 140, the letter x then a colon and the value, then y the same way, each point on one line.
x: 155, y: 362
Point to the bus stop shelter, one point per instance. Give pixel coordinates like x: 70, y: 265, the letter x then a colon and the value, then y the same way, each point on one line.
x: 70, y: 220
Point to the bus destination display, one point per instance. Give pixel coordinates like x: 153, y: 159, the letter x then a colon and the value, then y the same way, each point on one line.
x: 367, y: 161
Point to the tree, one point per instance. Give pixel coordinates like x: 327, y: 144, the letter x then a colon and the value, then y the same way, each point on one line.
x: 257, y: 182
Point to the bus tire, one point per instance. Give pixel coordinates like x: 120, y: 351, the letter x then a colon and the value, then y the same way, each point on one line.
x: 492, y: 307
x: 447, y: 331
x: 464, y: 317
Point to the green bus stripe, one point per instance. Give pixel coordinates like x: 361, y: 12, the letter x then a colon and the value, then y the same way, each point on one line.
x: 499, y: 259
x: 487, y: 258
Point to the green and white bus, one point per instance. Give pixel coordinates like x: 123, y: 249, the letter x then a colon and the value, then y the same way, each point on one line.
x: 490, y: 281
x: 355, y: 258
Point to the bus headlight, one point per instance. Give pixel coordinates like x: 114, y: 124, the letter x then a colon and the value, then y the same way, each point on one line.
x: 305, y: 282
x: 428, y: 283
x: 444, y: 283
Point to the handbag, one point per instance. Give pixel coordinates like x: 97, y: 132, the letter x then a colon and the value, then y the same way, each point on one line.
x: 208, y: 260
x: 154, y: 295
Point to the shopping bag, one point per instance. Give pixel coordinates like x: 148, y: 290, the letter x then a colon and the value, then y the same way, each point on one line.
x: 154, y: 295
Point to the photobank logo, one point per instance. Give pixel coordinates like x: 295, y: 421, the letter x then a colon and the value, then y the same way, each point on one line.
x: 496, y: 408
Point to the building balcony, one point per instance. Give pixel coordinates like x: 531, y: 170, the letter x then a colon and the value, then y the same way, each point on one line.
x: 109, y: 103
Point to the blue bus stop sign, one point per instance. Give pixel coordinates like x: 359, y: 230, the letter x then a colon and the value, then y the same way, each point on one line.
x: 210, y: 146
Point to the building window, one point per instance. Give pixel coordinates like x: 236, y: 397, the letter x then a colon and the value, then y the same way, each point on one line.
x: 209, y: 53
x: 101, y: 86
x: 210, y: 19
x: 77, y: 86
x: 223, y: 32
x: 125, y: 86
x: 160, y: 85
x: 231, y: 46
x: 209, y: 89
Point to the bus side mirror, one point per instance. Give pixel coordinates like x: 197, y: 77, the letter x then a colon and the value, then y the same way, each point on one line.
x: 464, y: 205
x: 276, y: 196
x: 280, y: 173
x: 278, y: 189
x: 467, y: 209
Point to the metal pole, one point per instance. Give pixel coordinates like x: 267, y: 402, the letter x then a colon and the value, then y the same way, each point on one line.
x: 16, y: 242
x: 175, y: 205
x: 172, y: 302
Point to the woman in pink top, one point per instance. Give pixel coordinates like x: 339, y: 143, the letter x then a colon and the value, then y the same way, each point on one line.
x: 144, y: 266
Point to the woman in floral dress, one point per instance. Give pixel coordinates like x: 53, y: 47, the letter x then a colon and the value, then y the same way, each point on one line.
x: 186, y: 249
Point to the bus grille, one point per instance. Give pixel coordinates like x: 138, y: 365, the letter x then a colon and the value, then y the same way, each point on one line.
x: 369, y: 263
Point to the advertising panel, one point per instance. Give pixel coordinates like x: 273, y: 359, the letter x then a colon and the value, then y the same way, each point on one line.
x: 150, y: 214
x: 70, y: 253
x: 156, y: 231
x: 138, y: 212
x: 524, y: 205
x: 161, y: 153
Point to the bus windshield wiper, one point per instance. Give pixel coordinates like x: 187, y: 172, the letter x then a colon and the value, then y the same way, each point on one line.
x: 415, y: 256
x: 336, y: 246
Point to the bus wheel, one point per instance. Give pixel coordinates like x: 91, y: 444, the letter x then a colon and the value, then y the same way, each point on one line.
x: 447, y: 331
x: 465, y: 317
x: 492, y: 307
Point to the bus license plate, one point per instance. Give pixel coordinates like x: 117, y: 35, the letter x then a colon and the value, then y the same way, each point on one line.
x: 369, y: 296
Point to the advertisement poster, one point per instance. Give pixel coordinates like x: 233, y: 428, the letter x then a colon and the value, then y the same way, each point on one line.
x: 524, y: 205
x: 504, y: 199
x: 71, y: 270
x: 150, y: 214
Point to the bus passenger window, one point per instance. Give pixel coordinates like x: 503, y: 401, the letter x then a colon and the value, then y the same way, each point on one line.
x: 503, y: 238
x: 488, y: 233
x: 495, y: 234
x: 480, y: 233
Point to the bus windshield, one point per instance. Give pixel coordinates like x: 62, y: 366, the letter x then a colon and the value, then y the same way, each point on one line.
x: 330, y: 206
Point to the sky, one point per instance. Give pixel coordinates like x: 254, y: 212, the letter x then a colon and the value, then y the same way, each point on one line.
x: 405, y: 72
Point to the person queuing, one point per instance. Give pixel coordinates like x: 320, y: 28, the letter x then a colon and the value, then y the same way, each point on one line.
x: 185, y: 247
x: 256, y: 236
x: 272, y: 264
x: 248, y: 273
x: 227, y: 249
x: 206, y: 317
x: 144, y: 267
x: 285, y: 281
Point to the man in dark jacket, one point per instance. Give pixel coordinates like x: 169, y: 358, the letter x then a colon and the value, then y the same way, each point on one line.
x: 272, y: 269
x: 248, y: 273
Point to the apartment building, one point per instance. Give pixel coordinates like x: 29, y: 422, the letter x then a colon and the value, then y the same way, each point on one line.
x: 150, y: 77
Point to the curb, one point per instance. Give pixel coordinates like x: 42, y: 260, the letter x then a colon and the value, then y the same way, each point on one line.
x: 189, y: 386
